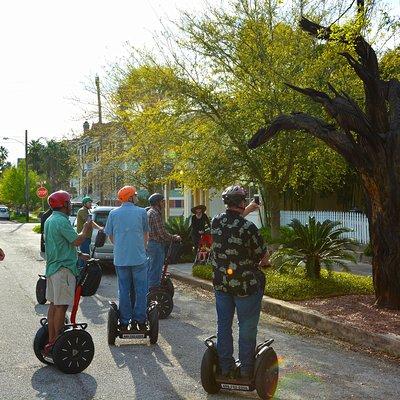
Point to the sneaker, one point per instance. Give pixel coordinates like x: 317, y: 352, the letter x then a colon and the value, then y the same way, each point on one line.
x: 142, y: 326
x: 124, y: 328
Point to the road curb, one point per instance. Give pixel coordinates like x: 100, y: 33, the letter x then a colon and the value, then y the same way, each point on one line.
x: 386, y: 343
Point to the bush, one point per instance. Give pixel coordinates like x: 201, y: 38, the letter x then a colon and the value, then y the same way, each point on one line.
x: 296, y: 286
x: 286, y: 235
x: 18, y: 217
x: 315, y: 245
x: 181, y: 226
x: 36, y: 228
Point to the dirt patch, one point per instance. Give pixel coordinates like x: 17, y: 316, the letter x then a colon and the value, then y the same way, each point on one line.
x: 358, y: 311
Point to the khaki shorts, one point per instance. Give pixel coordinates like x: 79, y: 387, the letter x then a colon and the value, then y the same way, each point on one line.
x: 60, y: 287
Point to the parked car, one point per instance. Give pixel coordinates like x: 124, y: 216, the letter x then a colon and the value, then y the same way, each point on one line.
x: 105, y: 253
x: 4, y: 213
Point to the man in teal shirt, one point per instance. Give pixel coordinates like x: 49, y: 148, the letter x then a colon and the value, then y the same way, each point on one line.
x: 61, y: 258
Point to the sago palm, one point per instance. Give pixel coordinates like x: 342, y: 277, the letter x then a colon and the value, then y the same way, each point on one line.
x: 315, y: 245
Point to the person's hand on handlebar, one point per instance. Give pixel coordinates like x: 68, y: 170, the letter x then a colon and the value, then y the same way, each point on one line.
x: 177, y: 238
x: 84, y: 256
x: 264, y: 262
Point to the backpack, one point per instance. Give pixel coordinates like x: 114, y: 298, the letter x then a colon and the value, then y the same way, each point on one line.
x: 90, y: 278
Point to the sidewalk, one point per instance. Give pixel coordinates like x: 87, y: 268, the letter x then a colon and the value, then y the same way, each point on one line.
x: 386, y: 343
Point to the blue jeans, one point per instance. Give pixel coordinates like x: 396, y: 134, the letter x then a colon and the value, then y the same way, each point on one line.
x: 132, y: 290
x: 84, y: 248
x: 248, y: 313
x: 156, y: 254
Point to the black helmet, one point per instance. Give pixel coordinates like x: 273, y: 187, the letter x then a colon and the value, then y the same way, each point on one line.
x: 155, y: 198
x: 234, y: 195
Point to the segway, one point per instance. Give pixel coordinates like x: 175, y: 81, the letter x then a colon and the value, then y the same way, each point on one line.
x: 164, y: 294
x: 264, y: 380
x: 73, y: 349
x: 150, y: 331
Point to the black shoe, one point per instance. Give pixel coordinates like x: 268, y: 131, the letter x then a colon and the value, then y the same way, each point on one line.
x: 124, y: 328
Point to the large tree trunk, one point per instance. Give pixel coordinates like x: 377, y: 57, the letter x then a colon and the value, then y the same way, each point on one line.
x: 384, y: 227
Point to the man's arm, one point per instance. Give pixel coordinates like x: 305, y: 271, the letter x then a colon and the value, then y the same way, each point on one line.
x: 108, y: 229
x: 82, y: 236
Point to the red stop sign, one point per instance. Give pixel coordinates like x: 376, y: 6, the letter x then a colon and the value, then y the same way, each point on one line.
x: 42, y: 192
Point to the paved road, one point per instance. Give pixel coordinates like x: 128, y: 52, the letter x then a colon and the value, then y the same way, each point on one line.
x: 311, y: 366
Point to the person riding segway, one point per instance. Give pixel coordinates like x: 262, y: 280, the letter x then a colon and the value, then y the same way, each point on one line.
x: 52, y: 344
x: 159, y: 238
x: 238, y: 252
x: 127, y: 228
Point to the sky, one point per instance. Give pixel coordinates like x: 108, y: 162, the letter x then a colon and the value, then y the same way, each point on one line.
x: 52, y: 49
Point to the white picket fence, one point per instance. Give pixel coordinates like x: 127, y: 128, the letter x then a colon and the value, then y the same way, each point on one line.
x: 357, y: 222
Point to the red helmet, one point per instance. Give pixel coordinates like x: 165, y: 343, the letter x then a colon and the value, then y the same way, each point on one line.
x: 58, y: 199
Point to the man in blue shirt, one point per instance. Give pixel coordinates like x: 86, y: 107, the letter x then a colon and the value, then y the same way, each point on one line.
x: 128, y: 229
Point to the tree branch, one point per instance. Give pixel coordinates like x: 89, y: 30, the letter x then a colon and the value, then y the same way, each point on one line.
x: 393, y: 97
x: 316, y: 127
x: 366, y: 68
x: 345, y: 111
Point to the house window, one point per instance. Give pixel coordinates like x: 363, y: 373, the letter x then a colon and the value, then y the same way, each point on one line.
x: 176, y: 203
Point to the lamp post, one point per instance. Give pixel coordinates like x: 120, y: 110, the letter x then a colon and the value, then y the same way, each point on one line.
x: 26, y: 172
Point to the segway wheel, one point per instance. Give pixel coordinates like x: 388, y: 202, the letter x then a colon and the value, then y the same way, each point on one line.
x: 112, y: 326
x: 266, y: 379
x: 153, y: 323
x: 41, y: 338
x: 41, y: 290
x: 167, y: 285
x: 165, y: 304
x: 209, y: 365
x: 73, y: 351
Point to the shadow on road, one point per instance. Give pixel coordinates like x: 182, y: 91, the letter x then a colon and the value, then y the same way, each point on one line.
x: 52, y: 384
x: 144, y: 362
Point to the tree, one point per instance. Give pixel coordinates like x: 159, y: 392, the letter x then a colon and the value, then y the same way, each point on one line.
x: 367, y: 137
x: 4, y: 164
x: 53, y: 161
x: 229, y: 67
x: 12, y: 187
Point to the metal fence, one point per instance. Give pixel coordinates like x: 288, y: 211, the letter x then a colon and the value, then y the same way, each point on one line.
x: 357, y: 222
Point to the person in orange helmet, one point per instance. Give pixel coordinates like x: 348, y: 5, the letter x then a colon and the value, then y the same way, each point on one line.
x: 127, y: 228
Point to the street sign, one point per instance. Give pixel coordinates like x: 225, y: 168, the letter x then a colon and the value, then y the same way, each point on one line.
x: 42, y: 192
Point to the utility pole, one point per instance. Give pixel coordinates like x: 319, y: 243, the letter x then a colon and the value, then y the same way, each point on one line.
x: 97, y: 81
x: 26, y: 177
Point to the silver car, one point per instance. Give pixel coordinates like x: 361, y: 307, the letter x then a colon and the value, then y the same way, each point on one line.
x: 105, y: 253
x: 4, y: 213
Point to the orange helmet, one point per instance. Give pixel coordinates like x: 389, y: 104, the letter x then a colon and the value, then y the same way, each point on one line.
x: 126, y: 192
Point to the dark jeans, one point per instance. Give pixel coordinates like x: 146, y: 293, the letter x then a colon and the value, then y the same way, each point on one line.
x: 248, y: 313
x: 156, y: 255
x: 84, y: 248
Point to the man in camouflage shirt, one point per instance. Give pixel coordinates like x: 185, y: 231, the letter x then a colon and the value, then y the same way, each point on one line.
x: 238, y: 252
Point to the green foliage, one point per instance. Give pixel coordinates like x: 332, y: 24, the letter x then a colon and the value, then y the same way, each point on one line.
x: 314, y: 245
x: 297, y: 286
x: 181, y: 226
x: 286, y: 235
x: 52, y: 161
x: 4, y: 164
x: 36, y: 228
x: 12, y: 187
x: 22, y: 218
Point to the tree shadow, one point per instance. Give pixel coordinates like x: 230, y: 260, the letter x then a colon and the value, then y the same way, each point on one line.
x: 52, y: 384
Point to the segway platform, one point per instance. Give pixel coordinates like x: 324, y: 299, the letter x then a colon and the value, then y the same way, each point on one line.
x: 264, y: 380
x: 113, y: 327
